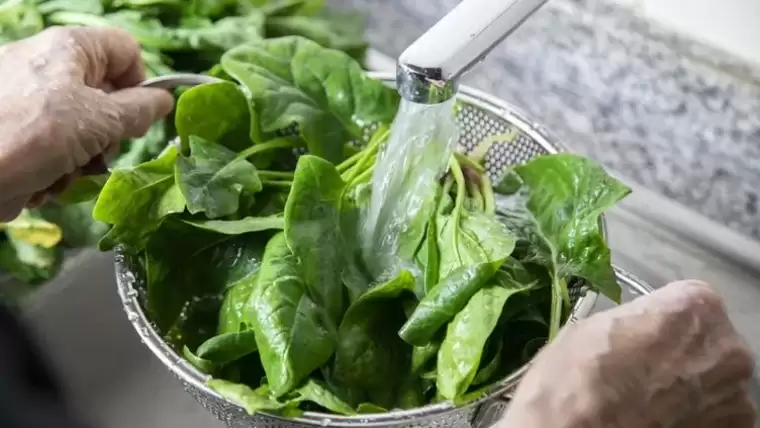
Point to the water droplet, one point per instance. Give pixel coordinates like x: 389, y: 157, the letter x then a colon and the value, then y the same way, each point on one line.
x: 132, y: 316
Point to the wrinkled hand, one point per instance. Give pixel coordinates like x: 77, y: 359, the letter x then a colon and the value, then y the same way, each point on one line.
x: 670, y: 359
x: 68, y: 99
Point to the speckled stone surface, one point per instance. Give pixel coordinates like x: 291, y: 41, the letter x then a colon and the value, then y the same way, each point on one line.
x: 675, y: 116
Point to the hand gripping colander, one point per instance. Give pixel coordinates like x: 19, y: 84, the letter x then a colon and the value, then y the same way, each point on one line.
x: 425, y: 74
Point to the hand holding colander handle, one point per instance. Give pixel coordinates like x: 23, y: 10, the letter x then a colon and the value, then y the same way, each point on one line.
x: 429, y: 69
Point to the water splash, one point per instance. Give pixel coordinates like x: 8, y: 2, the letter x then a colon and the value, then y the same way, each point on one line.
x: 405, y: 180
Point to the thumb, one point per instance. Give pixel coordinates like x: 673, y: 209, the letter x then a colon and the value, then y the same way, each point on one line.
x: 140, y: 107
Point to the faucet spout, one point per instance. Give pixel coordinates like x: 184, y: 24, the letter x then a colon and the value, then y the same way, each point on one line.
x: 428, y: 71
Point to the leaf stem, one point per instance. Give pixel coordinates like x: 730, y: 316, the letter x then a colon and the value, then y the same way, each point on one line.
x: 477, y: 197
x: 363, y: 177
x: 277, y: 183
x: 275, y: 175
x: 348, y: 163
x: 478, y: 154
x: 368, y: 155
x: 278, y: 143
x: 470, y: 163
x: 560, y: 303
x: 456, y: 172
x: 488, y: 195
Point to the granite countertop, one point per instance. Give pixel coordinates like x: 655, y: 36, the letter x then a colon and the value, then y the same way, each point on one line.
x: 665, y: 112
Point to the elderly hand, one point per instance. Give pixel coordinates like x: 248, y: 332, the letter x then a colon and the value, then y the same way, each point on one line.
x: 68, y: 99
x: 670, y: 359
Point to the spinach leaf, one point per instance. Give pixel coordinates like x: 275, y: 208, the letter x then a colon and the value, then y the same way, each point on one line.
x: 252, y: 400
x: 319, y: 393
x: 47, y: 7
x: 369, y: 408
x: 232, y: 316
x: 470, y: 238
x: 487, y: 371
x: 410, y: 395
x: 225, y: 348
x: 214, y: 112
x: 220, y: 35
x: 421, y: 356
x: 29, y: 251
x: 213, y: 178
x: 294, y: 334
x: 292, y: 80
x: 466, y: 336
x: 184, y: 263
x: 553, y: 204
x: 445, y: 300
x: 312, y: 231
x: 19, y: 19
x: 341, y: 31
x: 239, y: 227
x: 134, y: 200
x: 76, y: 222
x: 29, y: 263
x: 30, y: 227
x: 370, y: 355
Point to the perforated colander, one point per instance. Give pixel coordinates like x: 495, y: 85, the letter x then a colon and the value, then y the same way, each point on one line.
x: 480, y: 116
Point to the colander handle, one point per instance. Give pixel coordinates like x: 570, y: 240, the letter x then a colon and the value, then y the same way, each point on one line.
x: 489, y: 414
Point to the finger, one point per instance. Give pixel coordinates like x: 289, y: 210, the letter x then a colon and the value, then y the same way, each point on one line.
x: 140, y: 107
x: 111, y: 56
x: 110, y: 154
x: 12, y: 208
x: 36, y: 200
x: 99, y: 164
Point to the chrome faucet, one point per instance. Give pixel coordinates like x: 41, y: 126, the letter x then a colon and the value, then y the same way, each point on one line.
x: 428, y: 71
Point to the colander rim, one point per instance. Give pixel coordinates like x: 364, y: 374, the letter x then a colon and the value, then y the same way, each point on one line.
x: 188, y: 373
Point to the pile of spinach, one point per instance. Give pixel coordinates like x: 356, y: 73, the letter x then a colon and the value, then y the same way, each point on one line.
x: 254, y: 264
x: 184, y: 35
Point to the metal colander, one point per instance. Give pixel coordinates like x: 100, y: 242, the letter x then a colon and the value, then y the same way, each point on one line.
x: 480, y: 116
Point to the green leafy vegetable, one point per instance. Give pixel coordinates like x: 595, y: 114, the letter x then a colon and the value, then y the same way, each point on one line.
x: 260, y: 262
x: 187, y: 36
x: 445, y: 300
x: 135, y: 200
x: 292, y: 80
x: 312, y: 233
x: 553, y: 204
x: 462, y: 349
x: 213, y: 178
x: 294, y: 334
x: 370, y: 355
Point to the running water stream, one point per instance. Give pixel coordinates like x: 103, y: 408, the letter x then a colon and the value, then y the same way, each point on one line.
x: 404, y: 183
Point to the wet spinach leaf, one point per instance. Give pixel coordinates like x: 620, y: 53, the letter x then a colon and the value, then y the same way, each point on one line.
x: 292, y: 80
x: 215, y: 112
x: 135, y: 200
x: 252, y: 400
x: 445, y: 300
x: 553, y: 204
x: 317, y: 392
x: 466, y: 336
x: 183, y: 263
x: 213, y: 178
x: 370, y: 355
x: 239, y: 227
x: 312, y: 231
x: 295, y: 335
